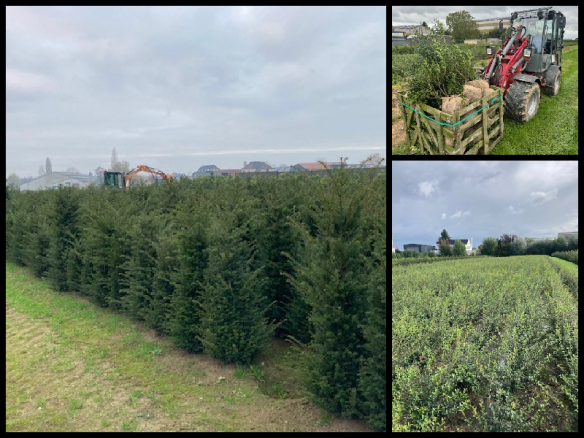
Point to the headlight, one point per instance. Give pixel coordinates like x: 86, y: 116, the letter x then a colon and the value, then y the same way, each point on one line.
x: 527, y: 53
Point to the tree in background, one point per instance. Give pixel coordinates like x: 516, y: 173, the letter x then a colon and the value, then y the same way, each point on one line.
x: 49, y: 166
x: 489, y: 246
x: 41, y: 170
x: 444, y: 235
x: 462, y: 25
x: 13, y: 181
x: 504, y: 244
x: 444, y: 247
x: 424, y: 24
x: 459, y: 249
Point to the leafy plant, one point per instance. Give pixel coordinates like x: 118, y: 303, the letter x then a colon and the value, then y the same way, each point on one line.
x: 443, y: 68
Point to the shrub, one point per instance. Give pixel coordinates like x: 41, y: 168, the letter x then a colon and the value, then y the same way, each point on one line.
x: 442, y: 71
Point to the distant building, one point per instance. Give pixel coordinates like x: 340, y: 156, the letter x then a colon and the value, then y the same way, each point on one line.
x: 207, y: 170
x: 411, y: 29
x: 418, y: 248
x: 60, y: 179
x: 492, y: 23
x: 256, y: 166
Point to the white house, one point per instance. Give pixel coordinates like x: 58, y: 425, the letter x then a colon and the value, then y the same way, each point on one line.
x: 467, y: 243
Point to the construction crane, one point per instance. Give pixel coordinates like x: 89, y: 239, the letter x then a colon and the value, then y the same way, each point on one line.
x: 123, y: 180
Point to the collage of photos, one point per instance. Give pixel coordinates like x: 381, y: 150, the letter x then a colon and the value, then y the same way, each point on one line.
x: 484, y: 272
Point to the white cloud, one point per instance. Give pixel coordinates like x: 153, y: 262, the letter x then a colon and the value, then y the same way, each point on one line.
x: 426, y: 188
x: 443, y: 216
x: 540, y: 198
x: 512, y: 210
x: 460, y: 214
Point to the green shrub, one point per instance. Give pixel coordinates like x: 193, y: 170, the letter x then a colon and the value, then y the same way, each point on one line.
x: 442, y: 71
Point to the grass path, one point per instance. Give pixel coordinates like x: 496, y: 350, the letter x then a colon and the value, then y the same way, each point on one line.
x: 72, y: 366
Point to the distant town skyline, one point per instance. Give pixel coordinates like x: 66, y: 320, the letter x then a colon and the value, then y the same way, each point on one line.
x: 177, y: 88
x: 482, y: 199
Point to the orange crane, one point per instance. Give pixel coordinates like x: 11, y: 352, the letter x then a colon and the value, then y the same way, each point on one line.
x: 123, y: 180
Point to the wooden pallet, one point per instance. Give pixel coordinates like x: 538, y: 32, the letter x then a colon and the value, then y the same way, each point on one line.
x: 463, y: 139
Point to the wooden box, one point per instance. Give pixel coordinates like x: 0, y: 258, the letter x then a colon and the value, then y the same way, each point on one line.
x: 465, y: 138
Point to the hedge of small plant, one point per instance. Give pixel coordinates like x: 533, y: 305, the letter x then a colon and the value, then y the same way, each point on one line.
x: 221, y: 264
x: 571, y: 256
x: 484, y: 344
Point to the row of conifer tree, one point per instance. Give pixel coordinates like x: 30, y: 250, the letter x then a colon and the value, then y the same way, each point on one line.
x: 223, y: 264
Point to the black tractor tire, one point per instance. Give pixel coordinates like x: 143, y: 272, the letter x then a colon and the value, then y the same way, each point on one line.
x: 553, y: 80
x: 522, y: 101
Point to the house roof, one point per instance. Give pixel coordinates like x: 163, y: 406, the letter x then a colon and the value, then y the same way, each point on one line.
x: 318, y: 165
x: 257, y: 165
x: 207, y: 168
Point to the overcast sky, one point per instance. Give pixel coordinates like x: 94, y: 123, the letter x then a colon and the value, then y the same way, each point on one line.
x: 482, y: 199
x: 406, y: 15
x: 180, y: 87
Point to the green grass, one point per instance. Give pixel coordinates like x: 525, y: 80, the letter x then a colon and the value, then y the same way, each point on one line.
x: 73, y: 366
x: 553, y: 131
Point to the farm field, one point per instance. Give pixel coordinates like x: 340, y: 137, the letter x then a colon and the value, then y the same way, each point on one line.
x: 485, y: 344
x: 553, y: 131
x: 71, y: 365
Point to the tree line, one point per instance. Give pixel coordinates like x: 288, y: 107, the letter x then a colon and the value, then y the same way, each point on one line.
x: 223, y: 264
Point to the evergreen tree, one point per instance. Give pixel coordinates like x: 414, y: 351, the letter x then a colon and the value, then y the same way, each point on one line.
x: 64, y: 230
x: 192, y: 260
x: 331, y: 276
x: 372, y: 375
x: 234, y: 326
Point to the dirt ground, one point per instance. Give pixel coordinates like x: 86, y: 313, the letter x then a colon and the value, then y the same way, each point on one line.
x: 398, y: 133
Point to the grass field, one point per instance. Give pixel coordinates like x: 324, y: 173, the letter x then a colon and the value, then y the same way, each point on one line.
x: 553, y: 131
x: 72, y: 366
x: 485, y: 344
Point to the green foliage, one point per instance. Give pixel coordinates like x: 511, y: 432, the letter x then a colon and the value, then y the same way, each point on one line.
x: 234, y: 326
x: 373, y: 372
x: 401, y: 50
x: 484, y: 344
x: 570, y: 256
x: 462, y: 26
x: 459, y: 249
x: 402, y: 66
x: 221, y: 264
x: 489, y: 246
x: 65, y: 228
x: 442, y: 71
x: 331, y: 277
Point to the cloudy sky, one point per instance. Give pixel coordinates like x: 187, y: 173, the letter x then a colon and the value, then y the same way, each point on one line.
x: 180, y: 87
x: 482, y: 199
x: 405, y: 15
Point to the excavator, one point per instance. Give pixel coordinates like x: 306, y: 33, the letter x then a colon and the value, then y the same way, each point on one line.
x: 123, y: 180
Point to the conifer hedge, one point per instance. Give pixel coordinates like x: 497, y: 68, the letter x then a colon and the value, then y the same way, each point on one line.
x: 223, y: 264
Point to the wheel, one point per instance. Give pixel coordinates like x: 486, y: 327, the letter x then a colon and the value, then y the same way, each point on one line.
x: 522, y: 101
x: 553, y: 80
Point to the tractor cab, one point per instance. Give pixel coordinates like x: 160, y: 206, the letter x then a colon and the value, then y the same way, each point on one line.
x: 544, y: 29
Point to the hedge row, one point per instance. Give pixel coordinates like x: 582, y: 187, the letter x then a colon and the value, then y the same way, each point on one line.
x: 570, y: 256
x: 222, y: 264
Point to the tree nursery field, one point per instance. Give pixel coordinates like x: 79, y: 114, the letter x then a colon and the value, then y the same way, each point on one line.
x: 485, y: 344
x: 277, y: 282
x: 553, y: 131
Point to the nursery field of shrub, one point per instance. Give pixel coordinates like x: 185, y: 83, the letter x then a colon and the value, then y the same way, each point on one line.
x: 485, y: 344
x: 220, y: 265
